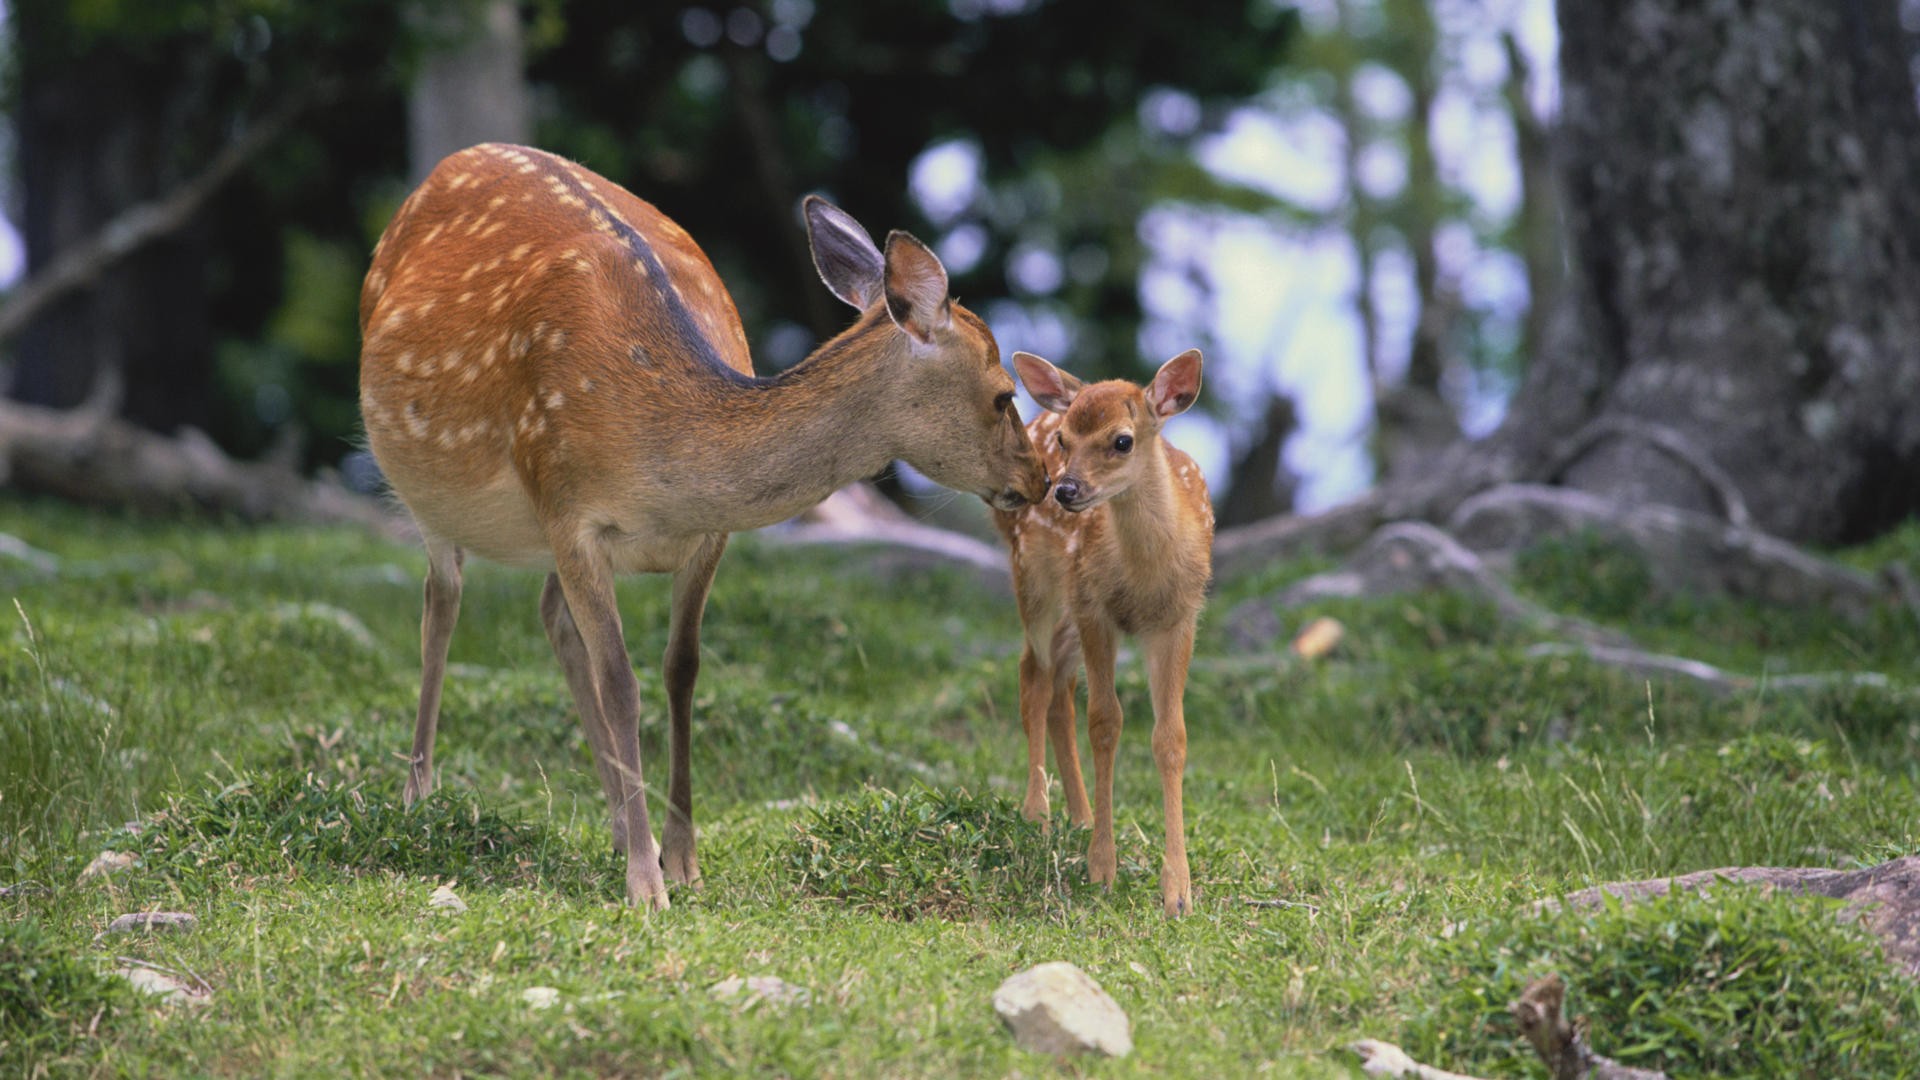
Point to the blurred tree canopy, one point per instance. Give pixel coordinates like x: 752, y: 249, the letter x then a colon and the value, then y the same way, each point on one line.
x: 242, y: 321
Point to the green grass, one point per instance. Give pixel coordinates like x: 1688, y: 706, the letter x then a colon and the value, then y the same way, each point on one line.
x: 232, y: 706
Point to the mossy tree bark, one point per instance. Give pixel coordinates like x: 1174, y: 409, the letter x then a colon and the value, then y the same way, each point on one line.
x: 1744, y: 235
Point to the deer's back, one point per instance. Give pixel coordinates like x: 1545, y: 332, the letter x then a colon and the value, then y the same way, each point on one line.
x: 527, y: 326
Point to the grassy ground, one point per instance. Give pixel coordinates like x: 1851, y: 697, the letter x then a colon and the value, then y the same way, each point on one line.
x: 232, y: 706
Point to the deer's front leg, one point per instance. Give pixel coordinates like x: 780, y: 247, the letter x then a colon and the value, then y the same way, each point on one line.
x: 440, y: 610
x: 1168, y: 655
x: 681, y: 668
x: 1061, y: 730
x: 1035, y: 679
x: 1103, y: 731
x: 586, y: 580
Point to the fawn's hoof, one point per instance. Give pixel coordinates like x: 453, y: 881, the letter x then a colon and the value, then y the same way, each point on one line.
x: 1102, y: 867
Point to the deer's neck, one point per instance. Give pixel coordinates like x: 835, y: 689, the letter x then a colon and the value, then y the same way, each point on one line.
x: 1145, y: 521
x: 776, y: 446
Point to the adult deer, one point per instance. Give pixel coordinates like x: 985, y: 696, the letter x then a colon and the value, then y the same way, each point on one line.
x: 551, y: 373
x: 1125, y: 547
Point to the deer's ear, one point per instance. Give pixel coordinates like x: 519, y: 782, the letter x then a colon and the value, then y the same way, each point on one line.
x: 843, y: 253
x: 1052, y: 388
x: 916, y: 285
x: 1176, y: 386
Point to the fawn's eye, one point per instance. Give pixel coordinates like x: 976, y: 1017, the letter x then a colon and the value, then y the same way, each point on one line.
x: 1004, y: 401
x: 1061, y: 439
x: 1123, y: 444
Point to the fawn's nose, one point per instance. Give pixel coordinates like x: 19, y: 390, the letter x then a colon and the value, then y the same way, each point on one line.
x: 1067, y: 490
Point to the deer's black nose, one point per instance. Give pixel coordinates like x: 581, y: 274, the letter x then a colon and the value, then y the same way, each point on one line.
x: 1067, y: 490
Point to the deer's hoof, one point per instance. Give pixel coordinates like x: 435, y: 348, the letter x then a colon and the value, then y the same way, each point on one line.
x: 647, y: 889
x: 681, y: 867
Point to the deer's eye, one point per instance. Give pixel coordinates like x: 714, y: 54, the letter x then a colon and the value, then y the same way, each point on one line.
x: 1061, y: 439
x: 1123, y: 444
x: 1004, y: 401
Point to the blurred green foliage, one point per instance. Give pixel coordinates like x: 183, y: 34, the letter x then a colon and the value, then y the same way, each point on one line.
x: 723, y: 115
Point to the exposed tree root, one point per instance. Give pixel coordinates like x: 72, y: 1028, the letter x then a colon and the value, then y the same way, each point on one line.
x: 1647, y: 663
x: 1885, y: 898
x: 1668, y: 441
x: 1403, y: 557
x: 1331, y: 532
x: 1683, y: 550
x: 1561, y: 1043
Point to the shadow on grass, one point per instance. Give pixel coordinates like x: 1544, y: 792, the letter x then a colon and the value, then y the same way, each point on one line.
x: 308, y: 825
x: 930, y: 852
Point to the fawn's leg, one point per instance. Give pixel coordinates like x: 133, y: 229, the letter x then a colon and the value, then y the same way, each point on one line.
x: 1168, y: 654
x: 1061, y: 725
x: 1103, y: 731
x: 586, y: 580
x: 1035, y: 675
x: 572, y: 654
x: 439, y: 612
x: 681, y: 668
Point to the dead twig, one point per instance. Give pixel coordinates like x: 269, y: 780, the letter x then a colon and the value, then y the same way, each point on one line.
x: 1561, y: 1043
x: 140, y: 225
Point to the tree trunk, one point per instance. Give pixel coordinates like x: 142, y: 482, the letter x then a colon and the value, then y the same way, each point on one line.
x: 472, y: 91
x: 94, y: 140
x: 1263, y: 486
x: 1745, y: 237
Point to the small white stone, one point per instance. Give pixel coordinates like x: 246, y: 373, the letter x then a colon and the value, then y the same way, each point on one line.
x: 162, y: 985
x: 757, y: 989
x: 540, y: 997
x: 107, y: 863
x: 445, y: 899
x: 1056, y: 1008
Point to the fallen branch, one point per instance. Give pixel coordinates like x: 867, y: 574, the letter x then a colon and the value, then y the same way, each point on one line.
x: 1385, y: 1059
x: 90, y: 456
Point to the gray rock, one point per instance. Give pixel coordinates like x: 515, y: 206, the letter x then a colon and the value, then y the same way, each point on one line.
x: 1056, y: 1008
x: 162, y: 921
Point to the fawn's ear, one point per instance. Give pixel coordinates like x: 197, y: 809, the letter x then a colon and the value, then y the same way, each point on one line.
x: 843, y: 253
x: 1176, y: 386
x: 916, y: 286
x: 1052, y: 388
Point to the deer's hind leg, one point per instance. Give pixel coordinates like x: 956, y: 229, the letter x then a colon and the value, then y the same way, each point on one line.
x: 1168, y: 655
x: 681, y: 665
